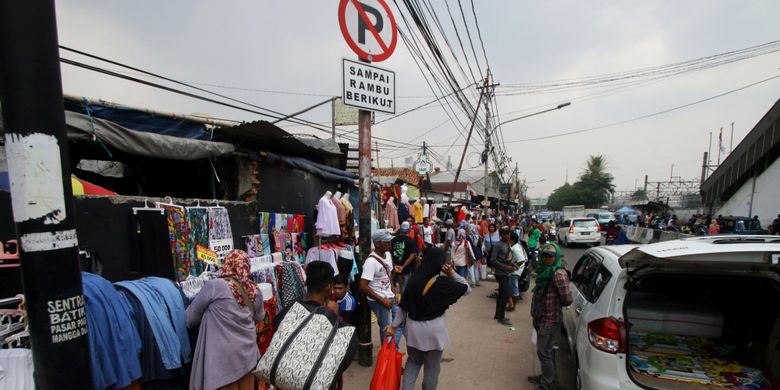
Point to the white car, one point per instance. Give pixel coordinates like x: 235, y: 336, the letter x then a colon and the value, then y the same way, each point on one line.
x: 696, y: 313
x: 582, y: 230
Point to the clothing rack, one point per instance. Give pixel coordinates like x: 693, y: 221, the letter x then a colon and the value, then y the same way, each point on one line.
x: 169, y: 203
x: 147, y: 208
x: 10, y: 301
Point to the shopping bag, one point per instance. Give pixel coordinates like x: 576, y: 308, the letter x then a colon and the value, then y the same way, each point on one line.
x: 305, y: 352
x: 387, y: 373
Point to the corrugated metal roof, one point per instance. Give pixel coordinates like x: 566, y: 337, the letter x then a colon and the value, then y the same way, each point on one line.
x: 263, y: 135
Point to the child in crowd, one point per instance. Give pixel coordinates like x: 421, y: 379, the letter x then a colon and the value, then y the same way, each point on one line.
x: 347, y: 303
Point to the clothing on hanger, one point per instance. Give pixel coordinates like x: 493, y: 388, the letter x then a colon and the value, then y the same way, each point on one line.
x: 179, y: 233
x: 327, y: 218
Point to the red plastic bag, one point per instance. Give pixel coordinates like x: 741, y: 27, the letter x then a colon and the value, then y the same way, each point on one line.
x: 387, y: 373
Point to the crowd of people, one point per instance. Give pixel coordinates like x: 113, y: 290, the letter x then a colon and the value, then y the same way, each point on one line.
x: 410, y: 279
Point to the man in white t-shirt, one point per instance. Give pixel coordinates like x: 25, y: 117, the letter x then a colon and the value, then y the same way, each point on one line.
x: 427, y: 231
x: 376, y: 284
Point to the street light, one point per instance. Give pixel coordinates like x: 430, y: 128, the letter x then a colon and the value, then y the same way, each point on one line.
x: 558, y: 107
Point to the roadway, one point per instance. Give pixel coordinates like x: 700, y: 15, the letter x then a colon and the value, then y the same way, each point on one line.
x: 482, y: 353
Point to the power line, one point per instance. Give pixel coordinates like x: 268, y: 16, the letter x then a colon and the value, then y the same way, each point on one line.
x: 479, y: 34
x: 646, y: 116
x: 277, y: 115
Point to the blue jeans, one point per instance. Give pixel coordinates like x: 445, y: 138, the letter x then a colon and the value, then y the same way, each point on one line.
x: 384, y: 317
x: 462, y: 270
x: 514, y: 284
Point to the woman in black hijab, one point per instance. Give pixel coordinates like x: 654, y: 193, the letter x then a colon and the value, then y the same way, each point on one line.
x: 423, y: 303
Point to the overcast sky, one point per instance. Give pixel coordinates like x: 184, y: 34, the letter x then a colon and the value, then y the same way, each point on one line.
x: 297, y: 46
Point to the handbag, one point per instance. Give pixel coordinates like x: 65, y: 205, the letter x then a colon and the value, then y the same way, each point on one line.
x: 387, y: 373
x: 306, y: 351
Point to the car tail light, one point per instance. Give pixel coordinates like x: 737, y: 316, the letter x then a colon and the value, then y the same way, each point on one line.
x: 571, y: 229
x: 608, y: 335
x: 598, y: 227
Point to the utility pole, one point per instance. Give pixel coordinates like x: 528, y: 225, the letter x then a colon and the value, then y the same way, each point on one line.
x: 41, y: 194
x: 365, y: 356
x: 487, y: 92
x: 465, y: 147
x: 333, y: 118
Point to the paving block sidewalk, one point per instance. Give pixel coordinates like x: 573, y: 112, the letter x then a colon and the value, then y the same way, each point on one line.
x: 482, y: 354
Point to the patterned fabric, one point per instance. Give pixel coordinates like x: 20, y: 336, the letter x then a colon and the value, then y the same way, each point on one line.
x: 236, y: 265
x: 198, y: 221
x: 266, y: 244
x: 301, y: 355
x: 180, y: 240
x: 265, y: 330
x: 298, y: 224
x: 291, y: 285
x: 271, y: 222
x: 254, y: 245
x: 264, y: 219
x: 219, y: 224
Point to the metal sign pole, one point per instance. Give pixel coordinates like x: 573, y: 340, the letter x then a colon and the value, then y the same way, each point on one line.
x: 41, y: 194
x: 365, y: 353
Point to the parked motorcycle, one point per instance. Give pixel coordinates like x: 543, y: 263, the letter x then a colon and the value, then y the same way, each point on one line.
x: 551, y: 235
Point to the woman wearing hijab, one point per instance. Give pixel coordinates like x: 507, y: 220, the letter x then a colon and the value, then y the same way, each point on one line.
x: 462, y: 253
x: 227, y: 309
x: 476, y: 244
x: 423, y: 303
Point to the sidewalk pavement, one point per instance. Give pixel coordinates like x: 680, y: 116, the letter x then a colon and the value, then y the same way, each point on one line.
x: 482, y: 354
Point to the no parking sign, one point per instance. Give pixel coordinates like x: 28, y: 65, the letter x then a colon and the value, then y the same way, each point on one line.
x: 369, y: 28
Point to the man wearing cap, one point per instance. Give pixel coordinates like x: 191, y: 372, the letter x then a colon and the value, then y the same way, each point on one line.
x: 551, y: 294
x: 376, y: 284
x: 499, y: 256
x: 404, y: 252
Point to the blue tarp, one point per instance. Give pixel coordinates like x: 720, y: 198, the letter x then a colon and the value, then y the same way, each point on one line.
x: 142, y: 121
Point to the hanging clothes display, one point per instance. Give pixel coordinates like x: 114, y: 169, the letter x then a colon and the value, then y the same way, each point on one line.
x: 434, y: 212
x: 16, y: 369
x: 162, y: 303
x: 198, y: 221
x: 290, y: 284
x: 254, y: 245
x: 264, y: 328
x: 325, y: 254
x: 391, y: 215
x: 426, y: 208
x: 403, y: 211
x: 154, y: 373
x: 219, y: 224
x: 179, y: 238
x: 417, y: 212
x: 327, y: 217
x: 341, y: 212
x: 113, y: 340
x: 350, y: 215
x: 150, y: 245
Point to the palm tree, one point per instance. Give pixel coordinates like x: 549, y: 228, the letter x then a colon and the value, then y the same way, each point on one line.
x: 595, y: 177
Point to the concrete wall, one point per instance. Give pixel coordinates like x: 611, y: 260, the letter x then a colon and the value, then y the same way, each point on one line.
x: 766, y: 199
x: 640, y: 235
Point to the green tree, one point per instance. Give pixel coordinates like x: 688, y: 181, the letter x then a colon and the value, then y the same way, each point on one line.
x: 639, y: 195
x: 596, y: 182
x: 593, y: 188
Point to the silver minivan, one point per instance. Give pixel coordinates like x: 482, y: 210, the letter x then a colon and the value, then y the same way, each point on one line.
x: 695, y: 313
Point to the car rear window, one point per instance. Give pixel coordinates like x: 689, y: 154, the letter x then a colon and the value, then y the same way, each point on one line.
x: 585, y: 223
x: 606, y: 216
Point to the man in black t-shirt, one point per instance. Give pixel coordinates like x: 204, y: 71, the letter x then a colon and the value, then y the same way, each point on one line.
x: 404, y: 251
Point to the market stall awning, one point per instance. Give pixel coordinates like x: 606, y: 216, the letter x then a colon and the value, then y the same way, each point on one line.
x: 81, y: 127
x: 81, y: 187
